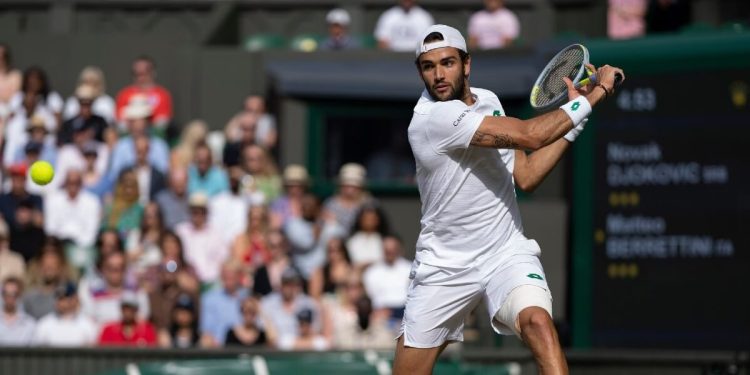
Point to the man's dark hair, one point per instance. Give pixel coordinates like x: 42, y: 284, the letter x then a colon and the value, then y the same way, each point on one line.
x: 38, y: 71
x: 14, y: 280
x: 147, y: 59
x: 436, y: 37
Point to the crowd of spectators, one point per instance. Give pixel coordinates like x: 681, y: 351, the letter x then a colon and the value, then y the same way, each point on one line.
x: 399, y: 27
x: 141, y: 240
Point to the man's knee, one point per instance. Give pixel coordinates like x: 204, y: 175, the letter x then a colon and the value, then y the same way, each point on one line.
x: 415, y: 361
x: 536, y: 323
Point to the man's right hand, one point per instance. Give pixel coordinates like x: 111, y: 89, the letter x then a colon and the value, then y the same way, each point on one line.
x: 606, y: 76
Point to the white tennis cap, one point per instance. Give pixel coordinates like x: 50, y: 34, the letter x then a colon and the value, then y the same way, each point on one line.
x: 451, y: 38
x: 338, y: 16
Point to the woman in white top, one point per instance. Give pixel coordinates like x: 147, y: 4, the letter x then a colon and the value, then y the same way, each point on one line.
x: 366, y: 242
x: 103, y: 105
x: 35, y: 82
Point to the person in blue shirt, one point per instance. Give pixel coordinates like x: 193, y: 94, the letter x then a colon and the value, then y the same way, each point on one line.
x: 220, y: 306
x: 138, y: 115
x: 205, y: 177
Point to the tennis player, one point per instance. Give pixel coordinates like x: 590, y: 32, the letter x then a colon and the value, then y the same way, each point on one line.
x: 471, y: 246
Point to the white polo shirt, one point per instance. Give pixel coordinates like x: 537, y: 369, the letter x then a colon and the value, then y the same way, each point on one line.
x: 386, y: 284
x: 54, y: 330
x: 468, y: 199
x: 402, y: 29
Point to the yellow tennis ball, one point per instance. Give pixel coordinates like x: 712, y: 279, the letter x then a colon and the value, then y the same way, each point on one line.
x: 42, y: 172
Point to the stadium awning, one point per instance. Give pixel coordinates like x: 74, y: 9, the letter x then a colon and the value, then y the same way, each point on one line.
x: 391, y: 76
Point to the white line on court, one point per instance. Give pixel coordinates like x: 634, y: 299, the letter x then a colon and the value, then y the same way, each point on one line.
x: 260, y: 367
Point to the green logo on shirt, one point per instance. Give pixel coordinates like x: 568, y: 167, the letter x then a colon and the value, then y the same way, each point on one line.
x: 534, y: 276
x: 496, y: 113
x: 575, y: 106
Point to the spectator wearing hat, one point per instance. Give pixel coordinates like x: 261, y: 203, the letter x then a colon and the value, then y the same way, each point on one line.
x: 228, y: 209
x: 27, y: 234
x: 16, y: 128
x: 281, y: 308
x: 144, y: 86
x: 16, y: 327
x: 205, y: 177
x: 129, y: 330
x: 249, y: 332
x: 205, y: 248
x: 289, y: 204
x: 101, y: 298
x: 399, y: 28
x: 220, y: 306
x: 138, y: 116
x: 183, y: 331
x: 338, y: 31
x: 72, y: 213
x: 45, y: 273
x: 38, y: 142
x: 66, y: 326
x: 173, y: 200
x: 351, y: 195
x: 493, y: 27
x: 18, y: 193
x: 308, y: 235
x: 11, y: 263
x: 102, y: 104
x: 85, y: 117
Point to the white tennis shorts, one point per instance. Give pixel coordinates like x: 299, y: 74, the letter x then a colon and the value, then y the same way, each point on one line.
x: 440, y: 298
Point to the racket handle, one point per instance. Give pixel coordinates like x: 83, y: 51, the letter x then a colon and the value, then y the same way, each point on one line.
x: 594, y: 79
x: 618, y: 79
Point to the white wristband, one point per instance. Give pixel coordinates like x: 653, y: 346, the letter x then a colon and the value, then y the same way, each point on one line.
x: 576, y: 131
x: 577, y: 109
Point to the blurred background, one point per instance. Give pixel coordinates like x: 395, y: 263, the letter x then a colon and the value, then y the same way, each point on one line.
x: 234, y: 188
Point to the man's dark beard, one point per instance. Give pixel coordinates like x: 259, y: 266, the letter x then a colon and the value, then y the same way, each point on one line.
x: 458, y: 93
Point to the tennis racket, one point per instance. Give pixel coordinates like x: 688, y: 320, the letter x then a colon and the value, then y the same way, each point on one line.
x: 549, y: 90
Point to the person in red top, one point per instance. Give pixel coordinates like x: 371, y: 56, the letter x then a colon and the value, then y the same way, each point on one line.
x: 129, y: 331
x: 144, y: 87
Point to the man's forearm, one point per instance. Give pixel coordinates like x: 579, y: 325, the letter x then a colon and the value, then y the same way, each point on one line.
x: 530, y: 170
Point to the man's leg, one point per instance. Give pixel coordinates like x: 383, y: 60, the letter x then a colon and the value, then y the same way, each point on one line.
x: 538, y: 332
x: 415, y: 361
x: 437, y: 302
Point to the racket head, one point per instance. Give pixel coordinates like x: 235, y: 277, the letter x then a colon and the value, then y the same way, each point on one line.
x: 549, y: 90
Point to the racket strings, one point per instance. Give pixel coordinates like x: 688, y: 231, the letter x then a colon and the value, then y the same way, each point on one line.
x: 567, y: 64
